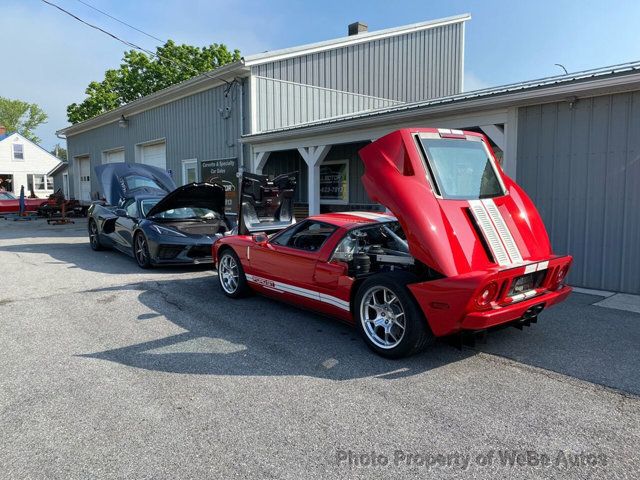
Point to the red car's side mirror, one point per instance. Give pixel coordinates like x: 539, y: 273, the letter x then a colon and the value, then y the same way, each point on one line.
x: 260, y: 238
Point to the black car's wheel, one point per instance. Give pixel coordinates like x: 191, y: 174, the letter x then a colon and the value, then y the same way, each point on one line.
x: 388, y: 317
x: 231, y: 275
x: 94, y: 236
x: 141, y: 250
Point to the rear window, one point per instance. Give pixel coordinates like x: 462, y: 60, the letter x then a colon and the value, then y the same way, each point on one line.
x: 138, y: 181
x: 461, y: 169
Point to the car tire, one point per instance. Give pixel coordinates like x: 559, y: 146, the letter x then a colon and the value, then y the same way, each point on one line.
x: 233, y: 281
x: 141, y: 250
x: 94, y: 236
x: 388, y: 316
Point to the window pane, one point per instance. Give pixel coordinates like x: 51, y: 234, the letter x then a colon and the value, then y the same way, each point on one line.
x: 49, y: 183
x: 18, y: 153
x: 461, y: 169
x: 311, y: 237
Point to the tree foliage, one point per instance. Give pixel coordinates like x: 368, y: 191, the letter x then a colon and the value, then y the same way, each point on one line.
x: 59, y: 152
x: 141, y: 74
x: 21, y: 117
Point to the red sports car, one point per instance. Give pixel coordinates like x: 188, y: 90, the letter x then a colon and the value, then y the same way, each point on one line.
x: 463, y: 248
x: 9, y: 203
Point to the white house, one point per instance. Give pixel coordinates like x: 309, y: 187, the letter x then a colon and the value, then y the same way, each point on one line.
x: 22, y: 162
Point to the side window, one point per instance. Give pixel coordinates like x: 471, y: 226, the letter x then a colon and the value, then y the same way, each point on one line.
x: 132, y: 209
x: 309, y: 236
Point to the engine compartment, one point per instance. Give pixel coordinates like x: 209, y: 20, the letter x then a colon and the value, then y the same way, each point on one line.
x: 379, y: 248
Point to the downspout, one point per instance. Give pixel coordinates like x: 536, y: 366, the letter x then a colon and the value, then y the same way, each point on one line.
x: 241, y: 109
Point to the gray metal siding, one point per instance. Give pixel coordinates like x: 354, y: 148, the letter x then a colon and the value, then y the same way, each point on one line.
x: 410, y: 67
x: 581, y: 167
x: 192, y: 127
x: 284, y: 104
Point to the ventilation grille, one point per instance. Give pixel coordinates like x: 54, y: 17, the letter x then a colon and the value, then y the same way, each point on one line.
x: 503, y: 231
x: 489, y: 232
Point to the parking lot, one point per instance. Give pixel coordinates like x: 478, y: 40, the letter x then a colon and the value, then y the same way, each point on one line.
x: 111, y: 371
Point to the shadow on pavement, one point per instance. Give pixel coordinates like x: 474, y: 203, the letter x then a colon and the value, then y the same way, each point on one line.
x: 256, y: 336
x: 578, y: 339
x: 259, y: 336
x: 80, y: 255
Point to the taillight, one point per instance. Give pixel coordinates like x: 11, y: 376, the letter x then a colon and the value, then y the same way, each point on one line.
x: 487, y: 295
x: 561, y: 275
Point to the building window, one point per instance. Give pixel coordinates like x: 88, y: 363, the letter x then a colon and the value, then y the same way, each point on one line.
x: 18, y: 151
x: 39, y: 182
x: 334, y: 182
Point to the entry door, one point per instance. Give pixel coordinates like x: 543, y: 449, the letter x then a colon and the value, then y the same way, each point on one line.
x: 189, y: 171
x: 84, y: 170
x: 155, y: 155
x: 65, y: 185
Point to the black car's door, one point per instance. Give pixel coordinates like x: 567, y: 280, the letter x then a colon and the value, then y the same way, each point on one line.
x: 126, y: 222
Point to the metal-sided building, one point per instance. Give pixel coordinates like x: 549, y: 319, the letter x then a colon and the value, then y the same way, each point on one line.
x: 571, y: 141
x: 193, y: 129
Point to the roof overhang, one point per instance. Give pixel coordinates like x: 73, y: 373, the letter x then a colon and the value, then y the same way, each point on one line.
x: 283, y: 54
x: 565, y: 88
x: 220, y: 76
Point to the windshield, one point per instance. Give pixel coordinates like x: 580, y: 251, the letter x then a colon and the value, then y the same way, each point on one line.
x: 6, y: 196
x: 178, y: 213
x: 461, y: 169
x: 138, y: 181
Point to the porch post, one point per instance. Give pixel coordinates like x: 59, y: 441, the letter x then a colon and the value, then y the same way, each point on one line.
x: 259, y: 162
x: 313, y: 157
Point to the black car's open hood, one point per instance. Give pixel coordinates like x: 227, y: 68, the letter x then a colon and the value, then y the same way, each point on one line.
x: 193, y: 195
x: 114, y: 178
x: 266, y: 205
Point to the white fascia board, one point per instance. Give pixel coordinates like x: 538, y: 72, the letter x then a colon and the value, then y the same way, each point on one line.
x: 170, y: 94
x: 283, y: 54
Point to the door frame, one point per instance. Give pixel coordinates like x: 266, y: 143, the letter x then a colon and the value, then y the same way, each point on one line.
x: 184, y: 163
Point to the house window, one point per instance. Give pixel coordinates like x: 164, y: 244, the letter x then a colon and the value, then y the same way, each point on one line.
x: 39, y: 182
x: 18, y: 151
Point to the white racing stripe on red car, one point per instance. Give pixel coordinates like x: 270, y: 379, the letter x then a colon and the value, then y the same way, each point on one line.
x: 303, y: 292
x: 380, y: 217
x: 496, y: 232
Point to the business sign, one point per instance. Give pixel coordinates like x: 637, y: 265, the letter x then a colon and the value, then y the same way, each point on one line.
x: 223, y: 171
x: 334, y: 182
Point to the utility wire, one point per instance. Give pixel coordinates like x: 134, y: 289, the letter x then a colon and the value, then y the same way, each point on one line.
x: 122, y: 22
x: 132, y: 45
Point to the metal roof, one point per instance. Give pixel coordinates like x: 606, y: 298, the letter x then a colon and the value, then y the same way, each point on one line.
x: 541, y: 84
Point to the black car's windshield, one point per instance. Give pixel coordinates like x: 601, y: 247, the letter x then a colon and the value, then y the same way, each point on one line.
x: 185, y: 213
x: 461, y: 169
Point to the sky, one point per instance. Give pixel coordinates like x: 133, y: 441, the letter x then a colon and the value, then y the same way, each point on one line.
x: 49, y: 58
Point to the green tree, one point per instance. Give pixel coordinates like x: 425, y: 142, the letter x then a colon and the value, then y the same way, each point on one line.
x: 59, y: 152
x: 141, y: 74
x: 21, y: 117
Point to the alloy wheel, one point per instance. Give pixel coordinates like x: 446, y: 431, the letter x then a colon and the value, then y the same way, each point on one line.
x: 383, y: 317
x: 229, y: 273
x: 93, y: 234
x: 141, y: 249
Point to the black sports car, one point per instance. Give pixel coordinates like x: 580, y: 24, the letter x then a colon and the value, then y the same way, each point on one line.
x: 148, y: 218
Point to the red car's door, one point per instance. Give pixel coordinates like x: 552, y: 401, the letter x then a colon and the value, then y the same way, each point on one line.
x: 285, y: 266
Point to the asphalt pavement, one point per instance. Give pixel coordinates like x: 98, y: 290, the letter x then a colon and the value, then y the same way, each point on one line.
x: 109, y: 371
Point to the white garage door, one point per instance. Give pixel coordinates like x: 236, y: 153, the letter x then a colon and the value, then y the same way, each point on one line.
x: 114, y: 156
x: 155, y: 155
x: 84, y: 169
